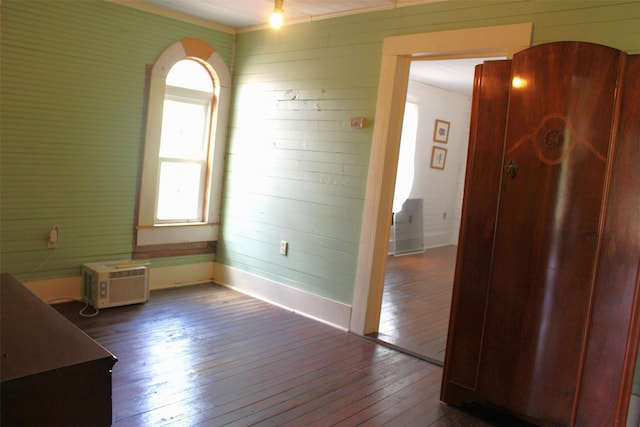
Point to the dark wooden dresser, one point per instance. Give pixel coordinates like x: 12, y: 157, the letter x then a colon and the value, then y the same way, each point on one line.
x: 51, y: 372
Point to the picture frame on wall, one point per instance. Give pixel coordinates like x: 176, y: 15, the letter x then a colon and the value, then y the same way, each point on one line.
x: 438, y: 157
x: 441, y: 131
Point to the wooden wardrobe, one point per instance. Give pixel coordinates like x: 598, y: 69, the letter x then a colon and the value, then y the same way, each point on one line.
x: 544, y: 320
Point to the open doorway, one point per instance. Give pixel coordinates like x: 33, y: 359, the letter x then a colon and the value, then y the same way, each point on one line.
x: 398, y: 52
x: 427, y: 206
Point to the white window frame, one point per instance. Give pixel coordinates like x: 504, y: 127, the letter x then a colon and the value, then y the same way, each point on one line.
x: 149, y: 231
x: 204, y: 101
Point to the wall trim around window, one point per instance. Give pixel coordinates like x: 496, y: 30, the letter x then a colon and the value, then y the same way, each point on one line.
x: 148, y: 233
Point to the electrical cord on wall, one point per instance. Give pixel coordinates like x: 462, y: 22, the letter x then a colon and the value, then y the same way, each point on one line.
x: 52, y: 242
x: 42, y: 264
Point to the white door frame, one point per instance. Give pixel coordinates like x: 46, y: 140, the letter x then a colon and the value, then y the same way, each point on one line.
x: 397, y: 52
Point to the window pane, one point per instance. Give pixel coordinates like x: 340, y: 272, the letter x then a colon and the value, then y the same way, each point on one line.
x: 180, y: 192
x: 406, y: 158
x: 183, y: 130
x: 191, y: 75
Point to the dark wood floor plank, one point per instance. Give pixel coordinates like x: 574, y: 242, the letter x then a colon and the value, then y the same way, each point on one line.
x: 206, y: 355
x: 355, y: 400
x: 381, y: 411
x: 300, y: 388
x: 417, y: 300
x: 392, y: 374
x: 255, y: 372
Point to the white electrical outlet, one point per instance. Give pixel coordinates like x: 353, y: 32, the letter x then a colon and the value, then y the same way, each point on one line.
x: 284, y: 247
x: 52, y: 237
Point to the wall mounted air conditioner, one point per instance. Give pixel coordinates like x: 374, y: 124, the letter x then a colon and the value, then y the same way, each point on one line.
x: 116, y: 283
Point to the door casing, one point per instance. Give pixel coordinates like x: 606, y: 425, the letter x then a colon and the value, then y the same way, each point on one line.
x: 397, y: 53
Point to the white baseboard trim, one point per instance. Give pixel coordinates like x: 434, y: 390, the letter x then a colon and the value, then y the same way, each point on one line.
x: 57, y: 290
x: 437, y: 240
x: 316, y: 307
x: 175, y: 276
x: 69, y: 288
x: 319, y: 308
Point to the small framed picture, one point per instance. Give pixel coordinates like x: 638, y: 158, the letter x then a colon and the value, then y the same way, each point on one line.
x: 441, y: 131
x: 438, y: 157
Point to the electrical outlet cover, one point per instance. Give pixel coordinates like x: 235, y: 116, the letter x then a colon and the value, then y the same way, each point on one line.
x: 284, y: 246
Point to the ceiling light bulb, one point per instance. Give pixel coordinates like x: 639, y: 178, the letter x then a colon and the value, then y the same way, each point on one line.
x: 276, y: 20
x: 276, y: 17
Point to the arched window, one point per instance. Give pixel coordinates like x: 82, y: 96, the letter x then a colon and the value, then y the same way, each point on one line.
x: 180, y: 188
x: 184, y: 144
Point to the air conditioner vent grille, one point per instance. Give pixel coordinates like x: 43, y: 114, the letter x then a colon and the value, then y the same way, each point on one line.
x: 126, y: 273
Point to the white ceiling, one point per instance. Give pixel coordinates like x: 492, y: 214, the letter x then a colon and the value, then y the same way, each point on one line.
x: 244, y: 14
x: 455, y: 74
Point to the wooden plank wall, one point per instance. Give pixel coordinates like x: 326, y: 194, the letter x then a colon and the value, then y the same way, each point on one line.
x: 73, y: 81
x: 73, y: 113
x: 297, y: 171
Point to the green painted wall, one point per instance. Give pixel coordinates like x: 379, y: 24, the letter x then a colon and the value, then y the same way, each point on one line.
x: 72, y: 114
x: 297, y: 172
x: 72, y: 111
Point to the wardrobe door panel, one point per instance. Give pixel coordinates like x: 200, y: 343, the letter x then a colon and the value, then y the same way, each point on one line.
x: 478, y: 217
x: 556, y: 151
x: 613, y: 338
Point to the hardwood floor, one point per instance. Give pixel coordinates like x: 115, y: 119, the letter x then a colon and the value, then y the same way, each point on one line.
x: 416, y: 302
x: 206, y: 355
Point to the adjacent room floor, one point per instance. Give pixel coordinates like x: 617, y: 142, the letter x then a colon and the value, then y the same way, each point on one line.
x: 416, y: 302
x: 207, y: 355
